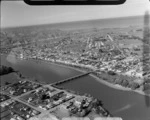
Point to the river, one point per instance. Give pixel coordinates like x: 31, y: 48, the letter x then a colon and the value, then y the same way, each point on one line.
x: 125, y: 104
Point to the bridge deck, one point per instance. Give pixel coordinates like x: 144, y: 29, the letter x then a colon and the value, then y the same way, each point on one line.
x: 71, y: 78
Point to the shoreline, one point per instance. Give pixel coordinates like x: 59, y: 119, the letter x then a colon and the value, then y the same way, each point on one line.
x: 119, y: 87
x: 115, y: 86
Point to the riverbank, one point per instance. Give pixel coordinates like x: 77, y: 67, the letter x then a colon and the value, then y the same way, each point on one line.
x: 110, y: 96
x: 114, y: 86
x: 6, y: 70
x: 83, y: 70
x: 118, y: 87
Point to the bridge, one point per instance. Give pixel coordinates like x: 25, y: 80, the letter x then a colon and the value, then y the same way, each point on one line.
x: 72, y: 78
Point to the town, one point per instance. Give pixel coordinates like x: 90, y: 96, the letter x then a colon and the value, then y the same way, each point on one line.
x: 26, y: 100
x: 118, y: 57
x: 77, y: 62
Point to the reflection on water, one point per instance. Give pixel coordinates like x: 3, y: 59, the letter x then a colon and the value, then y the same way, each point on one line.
x: 44, y: 72
x: 123, y: 108
x: 126, y: 104
x: 129, y: 105
x: 147, y: 101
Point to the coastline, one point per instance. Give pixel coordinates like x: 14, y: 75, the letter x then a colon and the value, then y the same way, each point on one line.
x: 115, y: 86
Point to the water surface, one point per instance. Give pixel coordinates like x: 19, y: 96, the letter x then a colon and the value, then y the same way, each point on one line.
x: 125, y: 104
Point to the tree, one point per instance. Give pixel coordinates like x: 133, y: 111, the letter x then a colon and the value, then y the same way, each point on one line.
x: 7, y: 83
x: 146, y: 86
x: 134, y: 86
x: 118, y: 81
x: 125, y: 83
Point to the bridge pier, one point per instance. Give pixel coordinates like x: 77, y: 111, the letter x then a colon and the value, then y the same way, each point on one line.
x: 70, y: 79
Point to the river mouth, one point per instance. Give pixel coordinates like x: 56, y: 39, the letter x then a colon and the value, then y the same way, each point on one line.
x: 125, y: 104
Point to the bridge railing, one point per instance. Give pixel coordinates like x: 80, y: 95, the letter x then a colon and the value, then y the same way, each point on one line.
x: 70, y: 79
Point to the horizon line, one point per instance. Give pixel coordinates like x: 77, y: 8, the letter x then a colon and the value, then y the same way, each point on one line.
x: 9, y: 27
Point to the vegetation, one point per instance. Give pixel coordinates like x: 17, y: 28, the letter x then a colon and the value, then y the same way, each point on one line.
x: 124, y: 81
x: 5, y: 70
x: 146, y: 86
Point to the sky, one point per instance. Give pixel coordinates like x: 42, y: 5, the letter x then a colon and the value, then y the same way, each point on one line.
x: 18, y: 13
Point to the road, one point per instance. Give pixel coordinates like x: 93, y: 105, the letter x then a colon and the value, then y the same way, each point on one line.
x: 19, y: 99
